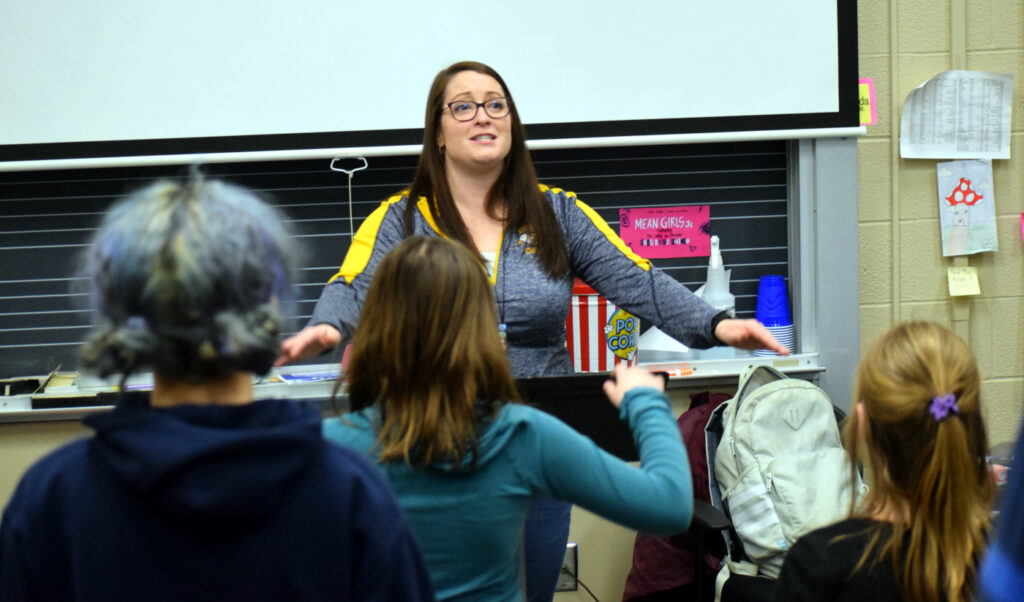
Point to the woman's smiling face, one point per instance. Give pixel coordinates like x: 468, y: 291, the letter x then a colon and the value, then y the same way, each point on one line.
x: 483, y: 142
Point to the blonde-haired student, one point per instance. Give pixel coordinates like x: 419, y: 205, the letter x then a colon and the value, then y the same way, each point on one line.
x: 920, y: 532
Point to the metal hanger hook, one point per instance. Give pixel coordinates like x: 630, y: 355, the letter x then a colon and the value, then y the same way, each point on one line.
x: 349, y: 172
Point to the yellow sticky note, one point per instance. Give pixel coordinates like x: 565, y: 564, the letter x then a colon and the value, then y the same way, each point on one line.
x: 963, y: 280
x: 868, y: 108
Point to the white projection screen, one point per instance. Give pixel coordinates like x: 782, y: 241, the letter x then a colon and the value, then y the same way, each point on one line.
x: 130, y: 78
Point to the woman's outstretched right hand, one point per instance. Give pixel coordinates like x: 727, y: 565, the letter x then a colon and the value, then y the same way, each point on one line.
x: 308, y: 342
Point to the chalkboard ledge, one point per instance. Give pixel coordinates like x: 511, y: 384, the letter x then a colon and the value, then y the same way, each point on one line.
x: 315, y: 384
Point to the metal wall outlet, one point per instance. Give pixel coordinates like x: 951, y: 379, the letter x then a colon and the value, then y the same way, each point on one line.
x: 568, y: 579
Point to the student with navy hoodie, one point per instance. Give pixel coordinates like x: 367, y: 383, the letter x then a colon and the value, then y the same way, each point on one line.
x: 197, y: 492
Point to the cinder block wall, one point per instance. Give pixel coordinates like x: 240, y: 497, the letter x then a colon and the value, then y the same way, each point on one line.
x: 903, y: 43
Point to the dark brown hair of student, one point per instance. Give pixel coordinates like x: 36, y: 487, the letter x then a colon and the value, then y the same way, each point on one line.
x: 515, y: 196
x: 427, y: 350
x: 929, y: 473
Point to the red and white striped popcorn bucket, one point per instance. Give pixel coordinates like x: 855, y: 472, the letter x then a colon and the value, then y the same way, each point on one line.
x: 600, y: 335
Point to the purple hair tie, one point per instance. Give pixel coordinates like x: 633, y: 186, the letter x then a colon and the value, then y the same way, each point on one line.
x: 942, y: 405
x: 135, y: 323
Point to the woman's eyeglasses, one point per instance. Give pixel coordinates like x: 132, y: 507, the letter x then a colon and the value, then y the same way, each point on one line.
x: 464, y: 110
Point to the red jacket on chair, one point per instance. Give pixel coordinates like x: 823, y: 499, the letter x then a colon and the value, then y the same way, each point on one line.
x: 665, y: 563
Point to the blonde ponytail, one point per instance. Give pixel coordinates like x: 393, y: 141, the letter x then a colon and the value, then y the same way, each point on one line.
x: 924, y: 442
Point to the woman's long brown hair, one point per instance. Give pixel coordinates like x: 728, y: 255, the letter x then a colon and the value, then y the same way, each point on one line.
x: 934, y: 468
x: 427, y: 350
x: 514, y: 198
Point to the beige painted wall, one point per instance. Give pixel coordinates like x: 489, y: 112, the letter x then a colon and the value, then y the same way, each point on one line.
x: 902, y: 272
x: 23, y: 444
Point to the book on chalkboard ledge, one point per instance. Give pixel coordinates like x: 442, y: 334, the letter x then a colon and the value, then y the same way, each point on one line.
x: 55, y: 402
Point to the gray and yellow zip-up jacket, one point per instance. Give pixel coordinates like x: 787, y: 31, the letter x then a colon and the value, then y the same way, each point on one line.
x: 531, y: 305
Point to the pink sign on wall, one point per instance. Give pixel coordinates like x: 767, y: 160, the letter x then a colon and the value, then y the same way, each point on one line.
x: 657, y: 232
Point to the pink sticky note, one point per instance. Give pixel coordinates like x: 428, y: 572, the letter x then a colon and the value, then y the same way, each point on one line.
x: 868, y: 108
x: 1022, y: 226
x: 658, y: 232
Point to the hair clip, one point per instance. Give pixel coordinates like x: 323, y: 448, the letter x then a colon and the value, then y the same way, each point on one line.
x: 942, y: 405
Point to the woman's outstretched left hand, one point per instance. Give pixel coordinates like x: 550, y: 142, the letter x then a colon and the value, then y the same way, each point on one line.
x: 747, y: 334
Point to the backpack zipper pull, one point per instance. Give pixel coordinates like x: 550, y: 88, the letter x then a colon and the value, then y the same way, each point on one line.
x: 732, y: 445
x: 768, y: 478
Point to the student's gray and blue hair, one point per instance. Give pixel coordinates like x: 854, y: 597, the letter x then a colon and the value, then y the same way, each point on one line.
x: 188, y: 279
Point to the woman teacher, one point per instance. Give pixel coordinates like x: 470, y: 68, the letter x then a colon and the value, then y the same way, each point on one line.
x: 475, y: 183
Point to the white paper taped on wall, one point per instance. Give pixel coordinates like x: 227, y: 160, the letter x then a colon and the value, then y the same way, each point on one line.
x: 958, y: 115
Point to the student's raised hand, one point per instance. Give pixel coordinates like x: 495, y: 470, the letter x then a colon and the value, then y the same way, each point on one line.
x: 623, y: 379
x: 308, y: 342
x: 747, y: 334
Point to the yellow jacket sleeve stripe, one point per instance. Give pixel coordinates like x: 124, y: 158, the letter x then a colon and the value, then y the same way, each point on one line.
x: 361, y: 249
x: 602, y: 227
x: 362, y: 243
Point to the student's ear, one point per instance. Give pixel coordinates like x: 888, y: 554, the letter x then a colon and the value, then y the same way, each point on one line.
x: 862, y: 422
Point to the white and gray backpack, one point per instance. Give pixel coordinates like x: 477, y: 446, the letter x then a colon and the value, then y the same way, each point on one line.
x: 780, y: 467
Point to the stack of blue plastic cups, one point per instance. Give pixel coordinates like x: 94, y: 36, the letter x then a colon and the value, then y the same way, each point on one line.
x: 773, y: 311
